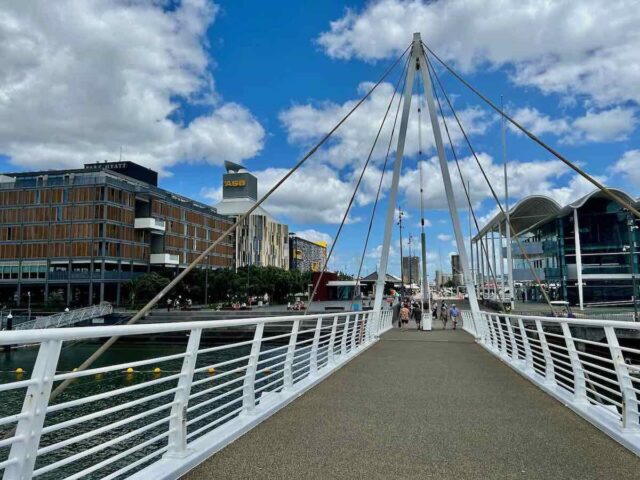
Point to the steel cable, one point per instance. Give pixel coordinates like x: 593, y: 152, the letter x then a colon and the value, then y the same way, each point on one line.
x: 144, y: 310
x: 536, y: 139
x: 353, y: 195
x: 484, y: 174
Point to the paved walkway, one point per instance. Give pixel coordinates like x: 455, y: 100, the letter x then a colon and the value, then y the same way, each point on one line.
x: 423, y: 405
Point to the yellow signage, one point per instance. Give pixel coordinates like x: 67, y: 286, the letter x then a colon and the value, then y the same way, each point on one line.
x: 235, y: 183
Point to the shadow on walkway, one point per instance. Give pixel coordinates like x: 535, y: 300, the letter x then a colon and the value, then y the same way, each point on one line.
x: 423, y: 405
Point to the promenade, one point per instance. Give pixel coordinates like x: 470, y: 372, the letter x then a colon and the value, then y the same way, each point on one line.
x: 423, y: 405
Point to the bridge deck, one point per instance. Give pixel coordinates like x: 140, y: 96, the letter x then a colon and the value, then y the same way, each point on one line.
x: 423, y: 405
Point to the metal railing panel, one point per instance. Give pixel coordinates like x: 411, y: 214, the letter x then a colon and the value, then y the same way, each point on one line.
x: 580, y: 362
x: 163, y: 421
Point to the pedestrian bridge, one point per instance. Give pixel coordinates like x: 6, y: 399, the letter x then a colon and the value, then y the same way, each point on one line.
x: 337, y: 396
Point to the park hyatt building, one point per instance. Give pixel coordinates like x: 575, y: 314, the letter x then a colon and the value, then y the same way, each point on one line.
x: 82, y: 233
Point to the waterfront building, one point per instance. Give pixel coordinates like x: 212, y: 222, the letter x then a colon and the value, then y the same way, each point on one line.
x: 411, y: 270
x: 305, y: 255
x: 584, y: 252
x: 82, y: 233
x: 261, y: 240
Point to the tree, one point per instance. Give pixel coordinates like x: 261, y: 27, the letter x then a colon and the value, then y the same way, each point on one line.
x: 145, y: 287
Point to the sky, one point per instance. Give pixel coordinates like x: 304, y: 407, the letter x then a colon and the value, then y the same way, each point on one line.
x: 182, y: 86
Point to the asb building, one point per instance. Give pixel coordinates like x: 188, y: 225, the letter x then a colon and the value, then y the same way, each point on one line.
x: 584, y: 252
x: 261, y: 240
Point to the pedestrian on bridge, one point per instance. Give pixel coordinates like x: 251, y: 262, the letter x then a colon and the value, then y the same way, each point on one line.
x: 396, y: 313
x: 404, y: 315
x: 455, y: 314
x: 417, y: 314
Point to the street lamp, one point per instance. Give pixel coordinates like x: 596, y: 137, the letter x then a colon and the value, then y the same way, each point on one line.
x: 632, y: 251
x: 29, y: 304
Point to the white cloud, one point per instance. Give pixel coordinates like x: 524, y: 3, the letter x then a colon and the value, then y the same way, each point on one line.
x: 444, y: 237
x: 588, y: 47
x: 80, y: 80
x: 610, y: 125
x: 628, y: 168
x: 314, y: 235
x: 538, y: 123
x: 525, y: 178
x: 351, y: 143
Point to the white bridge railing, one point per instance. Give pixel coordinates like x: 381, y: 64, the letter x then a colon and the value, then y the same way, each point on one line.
x: 65, y: 319
x: 589, y: 365
x: 158, y: 417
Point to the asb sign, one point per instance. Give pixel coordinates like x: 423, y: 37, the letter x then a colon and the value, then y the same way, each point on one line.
x: 235, y: 183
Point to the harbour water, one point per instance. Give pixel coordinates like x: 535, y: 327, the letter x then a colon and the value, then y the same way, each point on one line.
x: 148, y: 418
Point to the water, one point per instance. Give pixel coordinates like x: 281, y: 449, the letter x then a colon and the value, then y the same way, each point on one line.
x: 87, y: 447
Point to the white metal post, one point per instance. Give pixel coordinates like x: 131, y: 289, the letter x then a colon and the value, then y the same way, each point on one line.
x: 495, y: 266
x: 576, y: 236
x: 501, y: 258
x: 29, y: 428
x: 512, y: 339
x: 332, y: 342
x: 630, y: 415
x: 313, y: 359
x: 395, y: 179
x: 512, y: 292
x: 503, y: 343
x: 248, y: 390
x: 446, y: 177
x: 528, y: 356
x: 291, y: 352
x: 354, y: 331
x: 345, y: 333
x: 549, y: 372
x: 579, y: 384
x: 178, y: 421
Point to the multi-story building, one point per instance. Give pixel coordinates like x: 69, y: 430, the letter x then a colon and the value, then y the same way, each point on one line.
x: 305, y: 255
x: 456, y: 270
x: 260, y: 240
x: 82, y: 233
x: 411, y: 270
x: 585, y: 252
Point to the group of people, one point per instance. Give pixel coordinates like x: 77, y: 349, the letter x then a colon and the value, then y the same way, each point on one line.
x: 178, y: 304
x: 404, y: 310
x: 444, y: 313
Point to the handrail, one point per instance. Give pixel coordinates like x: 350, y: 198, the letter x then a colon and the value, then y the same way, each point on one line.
x: 63, y: 319
x: 580, y: 362
x: 79, y: 333
x: 188, y: 404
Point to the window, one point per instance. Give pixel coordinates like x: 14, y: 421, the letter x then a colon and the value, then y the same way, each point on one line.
x: 9, y: 233
x: 38, y: 196
x: 58, y: 214
x: 65, y: 195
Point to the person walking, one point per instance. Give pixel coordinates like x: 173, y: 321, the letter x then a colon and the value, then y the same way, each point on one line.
x: 396, y: 313
x: 169, y: 302
x: 404, y: 315
x: 417, y: 314
x: 444, y: 315
x: 455, y: 314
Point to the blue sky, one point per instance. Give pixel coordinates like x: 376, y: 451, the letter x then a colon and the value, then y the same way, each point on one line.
x: 186, y: 85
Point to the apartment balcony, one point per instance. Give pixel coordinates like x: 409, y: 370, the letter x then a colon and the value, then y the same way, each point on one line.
x: 154, y: 225
x: 164, y: 259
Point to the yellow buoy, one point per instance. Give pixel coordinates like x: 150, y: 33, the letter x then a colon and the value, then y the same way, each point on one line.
x: 19, y: 370
x: 75, y: 369
x: 212, y: 370
x: 157, y: 370
x: 129, y: 370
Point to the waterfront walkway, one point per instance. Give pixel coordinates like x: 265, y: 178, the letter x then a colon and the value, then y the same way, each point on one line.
x: 423, y: 405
